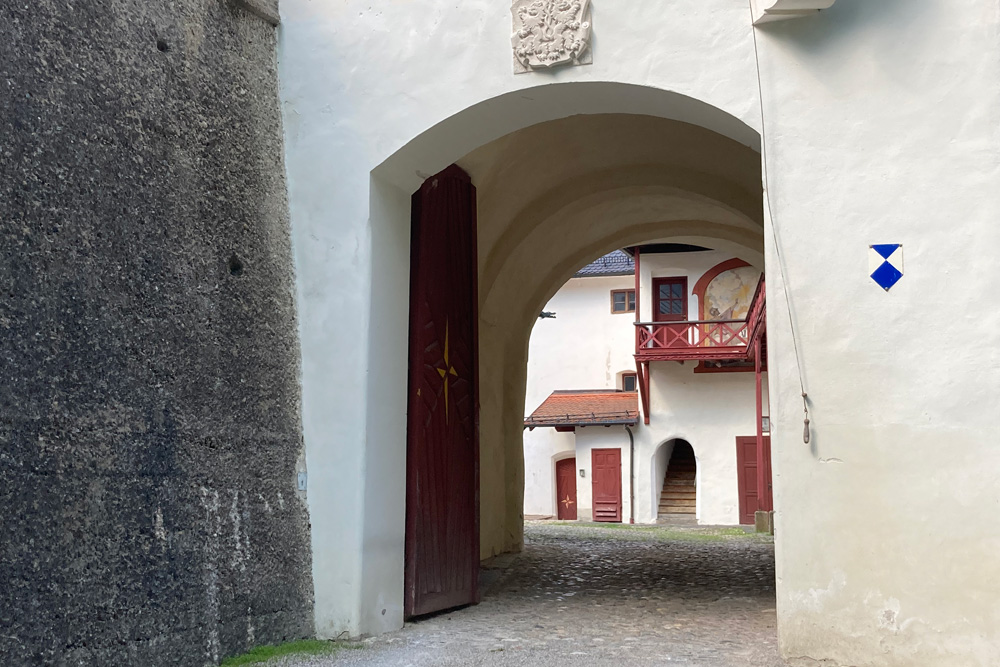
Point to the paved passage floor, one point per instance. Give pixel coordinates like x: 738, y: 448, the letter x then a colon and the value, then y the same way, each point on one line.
x: 603, y: 595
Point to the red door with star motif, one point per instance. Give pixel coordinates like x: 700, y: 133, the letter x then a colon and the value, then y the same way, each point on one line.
x: 442, y: 440
x: 566, y: 489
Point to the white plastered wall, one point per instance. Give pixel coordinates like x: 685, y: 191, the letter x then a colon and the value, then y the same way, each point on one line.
x: 882, y: 122
x: 587, y: 440
x: 708, y: 410
x: 585, y: 346
x: 660, y: 461
x: 377, y: 97
x: 882, y: 127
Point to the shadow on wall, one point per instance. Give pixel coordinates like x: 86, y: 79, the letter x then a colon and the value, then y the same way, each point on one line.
x: 658, y: 470
x: 826, y: 32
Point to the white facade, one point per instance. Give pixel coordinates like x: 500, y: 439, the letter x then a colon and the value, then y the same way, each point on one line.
x: 588, y: 347
x: 881, y: 127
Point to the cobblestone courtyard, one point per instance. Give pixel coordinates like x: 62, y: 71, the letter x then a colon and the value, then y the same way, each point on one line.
x: 585, y: 595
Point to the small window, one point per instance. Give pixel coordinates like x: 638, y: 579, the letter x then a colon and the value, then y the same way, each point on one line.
x: 628, y: 381
x: 623, y: 301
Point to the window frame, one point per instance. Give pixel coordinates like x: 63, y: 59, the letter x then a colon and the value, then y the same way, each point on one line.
x: 635, y: 379
x: 626, y: 292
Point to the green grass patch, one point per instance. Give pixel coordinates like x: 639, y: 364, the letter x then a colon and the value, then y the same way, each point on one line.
x: 302, y: 647
x: 660, y: 533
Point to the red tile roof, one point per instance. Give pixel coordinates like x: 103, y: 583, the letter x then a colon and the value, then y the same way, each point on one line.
x: 586, y: 408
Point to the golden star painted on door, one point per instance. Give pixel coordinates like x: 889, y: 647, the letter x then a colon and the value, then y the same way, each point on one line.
x: 447, y: 371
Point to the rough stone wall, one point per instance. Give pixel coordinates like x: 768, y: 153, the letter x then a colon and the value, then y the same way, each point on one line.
x: 149, y: 394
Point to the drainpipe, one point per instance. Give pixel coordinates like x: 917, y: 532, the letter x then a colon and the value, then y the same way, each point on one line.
x: 631, y: 473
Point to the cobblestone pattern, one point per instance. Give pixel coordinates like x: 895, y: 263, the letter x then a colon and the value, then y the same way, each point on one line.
x: 602, y: 596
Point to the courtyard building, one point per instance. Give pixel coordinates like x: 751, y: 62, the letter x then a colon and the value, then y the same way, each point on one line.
x: 689, y: 453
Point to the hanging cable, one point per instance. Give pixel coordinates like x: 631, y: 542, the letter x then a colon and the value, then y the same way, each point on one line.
x: 774, y: 232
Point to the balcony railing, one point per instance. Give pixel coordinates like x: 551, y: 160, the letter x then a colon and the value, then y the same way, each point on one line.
x: 694, y: 339
x: 702, y: 339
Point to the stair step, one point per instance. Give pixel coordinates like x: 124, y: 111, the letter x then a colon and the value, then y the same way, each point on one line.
x: 679, y: 494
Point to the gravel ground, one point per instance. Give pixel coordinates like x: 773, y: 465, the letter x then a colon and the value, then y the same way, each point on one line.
x: 602, y: 595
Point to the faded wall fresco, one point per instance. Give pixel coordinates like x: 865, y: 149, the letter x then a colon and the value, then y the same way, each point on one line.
x: 728, y: 295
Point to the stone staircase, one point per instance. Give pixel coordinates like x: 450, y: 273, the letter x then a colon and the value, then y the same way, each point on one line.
x: 677, y: 500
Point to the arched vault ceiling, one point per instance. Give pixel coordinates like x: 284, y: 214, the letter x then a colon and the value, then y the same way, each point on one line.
x: 552, y: 157
x: 549, y: 228
x: 550, y: 194
x: 493, y: 119
x: 528, y: 282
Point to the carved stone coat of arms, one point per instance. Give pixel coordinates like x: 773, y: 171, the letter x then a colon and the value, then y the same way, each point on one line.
x: 548, y: 33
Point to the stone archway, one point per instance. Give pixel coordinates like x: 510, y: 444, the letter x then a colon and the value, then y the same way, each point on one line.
x: 635, y: 172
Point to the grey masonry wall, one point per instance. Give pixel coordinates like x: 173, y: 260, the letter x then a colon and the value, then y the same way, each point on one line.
x: 149, y: 399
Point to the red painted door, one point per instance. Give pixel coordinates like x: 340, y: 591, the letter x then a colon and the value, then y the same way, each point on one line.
x: 670, y: 297
x: 670, y: 305
x: 566, y: 489
x: 442, y: 443
x: 606, y: 471
x: 746, y: 465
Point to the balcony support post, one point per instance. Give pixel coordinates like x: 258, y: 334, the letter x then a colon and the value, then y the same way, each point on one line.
x: 642, y: 380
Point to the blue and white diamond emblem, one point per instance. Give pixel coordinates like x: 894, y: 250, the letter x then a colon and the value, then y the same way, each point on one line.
x: 885, y: 262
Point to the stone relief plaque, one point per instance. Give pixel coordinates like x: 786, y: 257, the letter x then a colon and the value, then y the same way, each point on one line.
x: 550, y: 33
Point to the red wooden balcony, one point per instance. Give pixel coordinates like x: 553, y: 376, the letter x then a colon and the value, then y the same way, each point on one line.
x: 695, y: 339
x: 708, y: 340
x: 704, y: 340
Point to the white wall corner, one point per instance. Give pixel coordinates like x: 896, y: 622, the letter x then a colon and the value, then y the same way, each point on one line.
x: 765, y: 11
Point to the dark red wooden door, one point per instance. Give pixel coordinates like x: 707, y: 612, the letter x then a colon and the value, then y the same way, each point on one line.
x: 442, y: 443
x: 670, y: 305
x: 670, y: 299
x: 606, y: 471
x: 746, y: 465
x: 566, y: 489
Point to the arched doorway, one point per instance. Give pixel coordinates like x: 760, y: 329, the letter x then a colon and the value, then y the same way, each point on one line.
x: 678, y: 495
x: 623, y: 165
x: 607, y: 181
